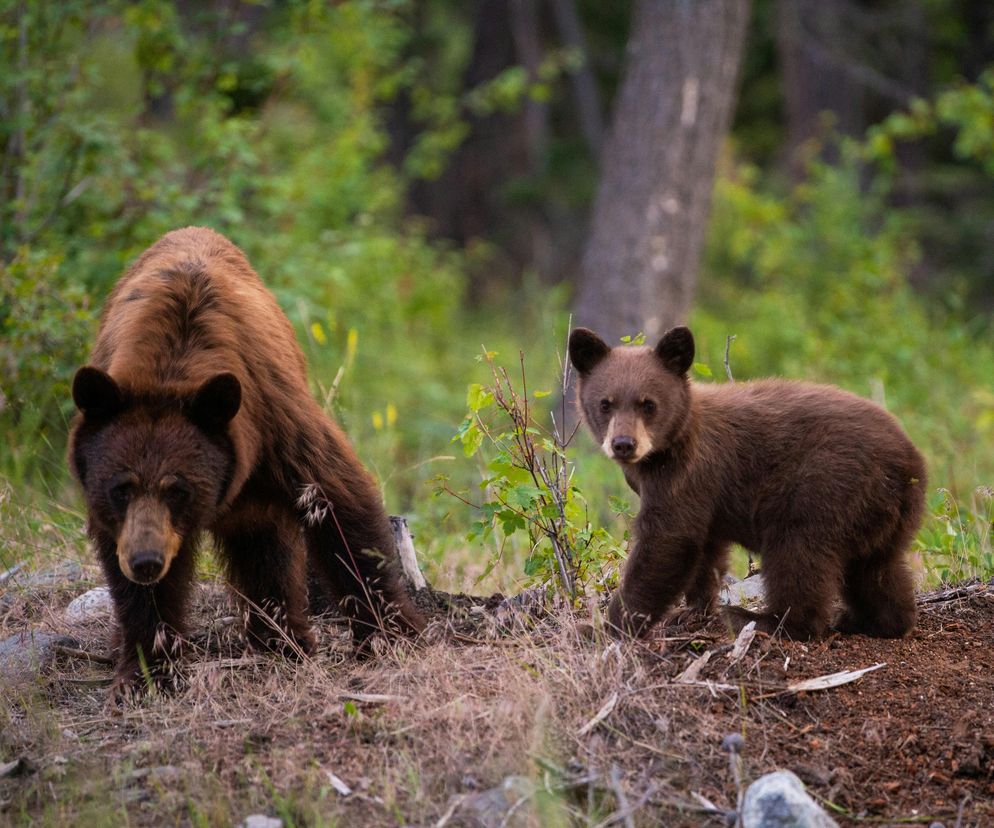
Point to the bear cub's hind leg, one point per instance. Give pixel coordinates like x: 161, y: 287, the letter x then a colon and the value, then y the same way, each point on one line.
x: 879, y: 597
x: 799, y: 591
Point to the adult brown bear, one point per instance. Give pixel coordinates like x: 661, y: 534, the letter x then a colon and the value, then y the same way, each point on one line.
x: 824, y: 485
x: 194, y: 415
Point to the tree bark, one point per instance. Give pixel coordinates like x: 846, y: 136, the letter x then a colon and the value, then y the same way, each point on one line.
x: 650, y: 215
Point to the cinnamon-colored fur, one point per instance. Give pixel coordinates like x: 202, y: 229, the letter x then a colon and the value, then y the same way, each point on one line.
x: 822, y: 484
x: 195, y: 415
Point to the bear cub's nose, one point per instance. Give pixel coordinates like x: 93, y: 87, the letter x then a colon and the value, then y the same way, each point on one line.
x: 146, y: 566
x: 623, y: 447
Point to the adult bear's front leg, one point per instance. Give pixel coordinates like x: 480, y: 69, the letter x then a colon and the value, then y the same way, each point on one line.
x: 150, y: 621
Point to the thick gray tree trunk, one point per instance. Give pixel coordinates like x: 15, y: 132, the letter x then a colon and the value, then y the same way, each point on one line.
x: 657, y: 170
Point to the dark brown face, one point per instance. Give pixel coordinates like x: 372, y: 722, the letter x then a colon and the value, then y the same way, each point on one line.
x: 152, y: 478
x: 632, y: 398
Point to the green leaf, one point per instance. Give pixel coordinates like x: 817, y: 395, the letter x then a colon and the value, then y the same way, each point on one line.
x: 701, y: 369
x: 472, y: 439
x: 524, y: 496
x: 478, y: 397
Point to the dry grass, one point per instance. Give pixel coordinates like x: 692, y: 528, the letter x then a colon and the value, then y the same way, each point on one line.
x: 415, y: 732
x: 587, y: 731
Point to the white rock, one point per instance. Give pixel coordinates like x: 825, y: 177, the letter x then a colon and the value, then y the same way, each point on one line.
x: 778, y: 800
x: 90, y: 605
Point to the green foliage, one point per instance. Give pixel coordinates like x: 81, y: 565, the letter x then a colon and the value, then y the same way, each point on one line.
x: 527, y: 481
x: 45, y: 321
x: 955, y: 543
x: 816, y: 281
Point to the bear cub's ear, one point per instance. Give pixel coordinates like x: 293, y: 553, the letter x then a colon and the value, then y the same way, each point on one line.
x: 95, y: 393
x: 217, y: 401
x: 586, y: 349
x: 676, y: 350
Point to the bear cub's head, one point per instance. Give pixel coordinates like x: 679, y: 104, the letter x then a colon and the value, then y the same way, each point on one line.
x: 153, y: 469
x: 634, y: 399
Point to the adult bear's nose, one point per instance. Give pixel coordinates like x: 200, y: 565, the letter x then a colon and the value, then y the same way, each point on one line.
x: 146, y: 566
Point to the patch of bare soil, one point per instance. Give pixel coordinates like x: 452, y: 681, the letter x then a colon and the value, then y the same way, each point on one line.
x: 499, y: 717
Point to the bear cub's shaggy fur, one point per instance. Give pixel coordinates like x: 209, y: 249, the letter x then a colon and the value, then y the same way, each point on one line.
x: 195, y: 415
x: 822, y: 484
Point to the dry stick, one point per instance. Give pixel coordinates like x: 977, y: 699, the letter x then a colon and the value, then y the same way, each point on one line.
x: 405, y: 549
x: 624, y: 810
x: 728, y: 346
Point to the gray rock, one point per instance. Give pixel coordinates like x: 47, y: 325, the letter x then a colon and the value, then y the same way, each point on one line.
x: 26, y: 654
x: 260, y: 821
x: 66, y: 572
x: 96, y: 603
x: 21, y: 583
x: 778, y: 800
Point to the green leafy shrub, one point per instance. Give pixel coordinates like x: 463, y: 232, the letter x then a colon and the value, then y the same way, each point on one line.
x: 45, y: 324
x: 527, y: 481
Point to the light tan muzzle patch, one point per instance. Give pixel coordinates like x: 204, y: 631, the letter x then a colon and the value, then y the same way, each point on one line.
x: 629, y: 427
x: 148, y: 544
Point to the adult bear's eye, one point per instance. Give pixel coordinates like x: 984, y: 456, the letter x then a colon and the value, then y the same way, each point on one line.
x: 605, y: 406
x: 175, y: 490
x: 121, y: 494
x: 648, y: 407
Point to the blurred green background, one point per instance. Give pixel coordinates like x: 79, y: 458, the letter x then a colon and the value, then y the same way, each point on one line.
x: 372, y: 159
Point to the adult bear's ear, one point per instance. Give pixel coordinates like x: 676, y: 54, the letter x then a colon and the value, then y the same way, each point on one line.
x: 96, y: 394
x: 217, y: 401
x: 586, y: 349
x: 676, y: 350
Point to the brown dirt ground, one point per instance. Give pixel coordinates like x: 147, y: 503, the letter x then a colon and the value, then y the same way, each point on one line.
x: 477, y: 702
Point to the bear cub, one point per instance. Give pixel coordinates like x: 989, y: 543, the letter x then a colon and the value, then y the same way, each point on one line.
x: 822, y: 484
x: 195, y: 416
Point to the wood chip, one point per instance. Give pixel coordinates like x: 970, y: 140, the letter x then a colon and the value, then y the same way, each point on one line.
x: 831, y: 679
x: 601, y: 714
x: 743, y: 642
x: 341, y: 788
x: 692, y: 673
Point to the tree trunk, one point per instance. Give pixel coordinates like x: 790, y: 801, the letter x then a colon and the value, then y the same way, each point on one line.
x: 672, y: 112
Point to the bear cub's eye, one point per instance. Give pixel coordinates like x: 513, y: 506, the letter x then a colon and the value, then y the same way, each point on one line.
x: 648, y: 407
x: 605, y: 406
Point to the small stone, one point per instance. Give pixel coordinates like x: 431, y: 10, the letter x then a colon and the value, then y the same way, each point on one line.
x: 90, y: 605
x: 498, y: 806
x: 778, y: 800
